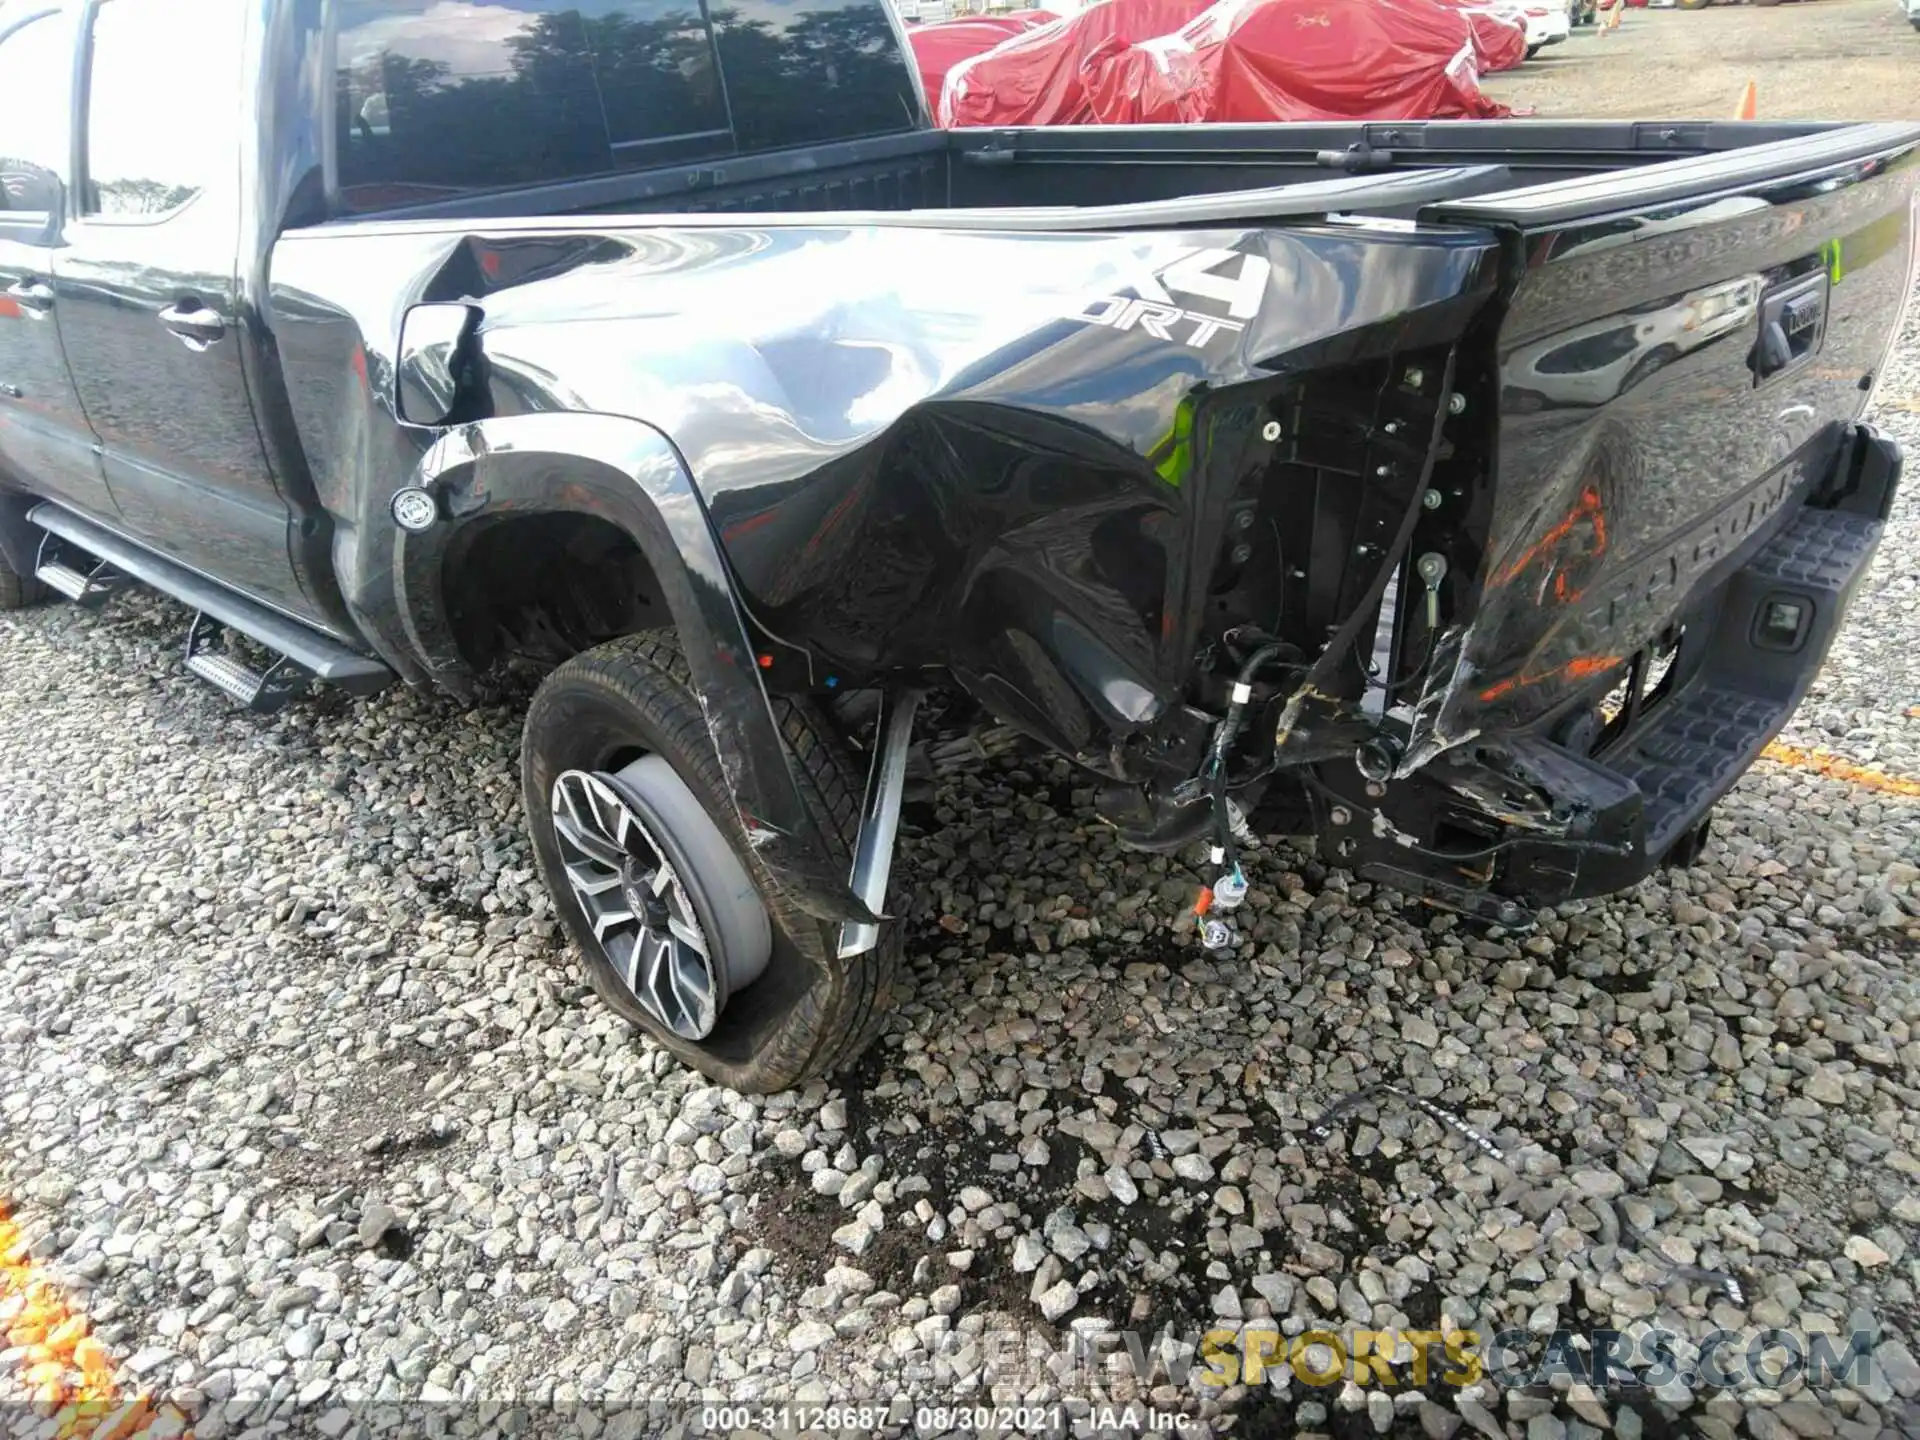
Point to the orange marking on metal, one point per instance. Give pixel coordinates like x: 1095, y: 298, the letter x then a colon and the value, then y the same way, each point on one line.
x: 1587, y: 508
x: 1581, y: 667
x: 1835, y: 768
x: 1589, y: 665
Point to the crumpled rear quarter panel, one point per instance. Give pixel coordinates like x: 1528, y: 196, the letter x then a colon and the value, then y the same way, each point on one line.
x: 924, y: 448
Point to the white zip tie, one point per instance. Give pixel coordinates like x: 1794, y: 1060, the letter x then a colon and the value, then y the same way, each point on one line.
x: 1324, y: 1125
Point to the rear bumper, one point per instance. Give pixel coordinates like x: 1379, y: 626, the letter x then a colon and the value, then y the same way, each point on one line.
x: 1548, y: 29
x: 1598, y: 795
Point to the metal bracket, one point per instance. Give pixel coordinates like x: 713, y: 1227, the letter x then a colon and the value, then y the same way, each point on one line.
x: 1479, y: 904
x: 880, y: 817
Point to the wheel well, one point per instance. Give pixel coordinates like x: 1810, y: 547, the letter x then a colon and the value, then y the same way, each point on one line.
x: 545, y: 587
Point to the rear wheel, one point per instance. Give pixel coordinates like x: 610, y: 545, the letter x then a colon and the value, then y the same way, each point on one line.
x: 18, y: 591
x: 680, y: 928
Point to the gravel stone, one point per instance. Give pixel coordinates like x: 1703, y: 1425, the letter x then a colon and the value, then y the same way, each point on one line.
x: 1863, y: 1251
x: 1193, y: 1167
x: 376, y: 1221
x: 1028, y: 1252
x: 855, y: 1235
x: 1058, y: 1300
x: 808, y: 1335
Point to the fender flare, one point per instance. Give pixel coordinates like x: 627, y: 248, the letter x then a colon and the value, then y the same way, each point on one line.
x: 628, y: 473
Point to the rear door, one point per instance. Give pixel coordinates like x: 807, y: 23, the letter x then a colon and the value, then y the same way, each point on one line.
x: 147, y: 296
x: 45, y: 446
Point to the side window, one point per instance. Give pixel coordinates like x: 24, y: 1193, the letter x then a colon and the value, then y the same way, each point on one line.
x: 152, y: 146
x: 33, y: 97
x: 804, y: 71
x: 437, y: 99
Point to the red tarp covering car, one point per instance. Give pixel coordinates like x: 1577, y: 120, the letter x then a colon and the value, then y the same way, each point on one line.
x: 937, y: 48
x: 1034, y: 79
x: 1499, y: 41
x: 1121, y: 62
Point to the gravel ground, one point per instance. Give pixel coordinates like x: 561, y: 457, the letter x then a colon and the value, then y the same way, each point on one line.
x: 304, y: 1103
x: 1816, y: 60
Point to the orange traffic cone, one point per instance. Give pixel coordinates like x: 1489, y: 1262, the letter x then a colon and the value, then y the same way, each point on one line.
x: 1749, y: 102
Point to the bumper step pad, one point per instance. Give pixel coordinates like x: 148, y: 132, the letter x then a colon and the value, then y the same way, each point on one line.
x: 1695, y: 746
x: 1692, y: 753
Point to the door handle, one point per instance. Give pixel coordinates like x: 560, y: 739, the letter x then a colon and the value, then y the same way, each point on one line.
x: 31, y: 296
x: 1793, y: 320
x: 196, y: 327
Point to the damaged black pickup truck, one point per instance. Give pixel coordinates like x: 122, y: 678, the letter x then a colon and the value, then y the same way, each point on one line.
x: 1478, y: 497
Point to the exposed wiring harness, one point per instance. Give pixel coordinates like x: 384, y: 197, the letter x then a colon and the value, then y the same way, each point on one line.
x: 1231, y: 888
x: 1226, y: 893
x: 1213, y: 771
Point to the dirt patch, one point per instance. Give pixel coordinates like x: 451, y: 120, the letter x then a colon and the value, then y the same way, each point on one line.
x: 375, y: 1121
x: 1817, y: 60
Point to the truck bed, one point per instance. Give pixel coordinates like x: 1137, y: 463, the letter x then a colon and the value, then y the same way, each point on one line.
x: 1094, y: 166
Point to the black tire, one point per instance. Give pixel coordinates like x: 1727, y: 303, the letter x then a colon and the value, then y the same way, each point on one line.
x: 811, y: 1012
x: 1532, y: 50
x: 18, y: 591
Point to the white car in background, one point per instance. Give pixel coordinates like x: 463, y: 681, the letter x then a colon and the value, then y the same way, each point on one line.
x: 1597, y: 361
x: 1912, y: 7
x: 1549, y: 22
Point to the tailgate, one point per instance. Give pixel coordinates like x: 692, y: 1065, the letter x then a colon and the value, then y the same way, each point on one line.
x: 1682, y: 348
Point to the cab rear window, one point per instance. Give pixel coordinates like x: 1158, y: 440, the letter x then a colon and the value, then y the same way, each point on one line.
x: 439, y: 98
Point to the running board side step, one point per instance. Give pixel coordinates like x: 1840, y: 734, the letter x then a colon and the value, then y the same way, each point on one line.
x: 262, y: 691
x: 318, y: 656
x: 87, y: 582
